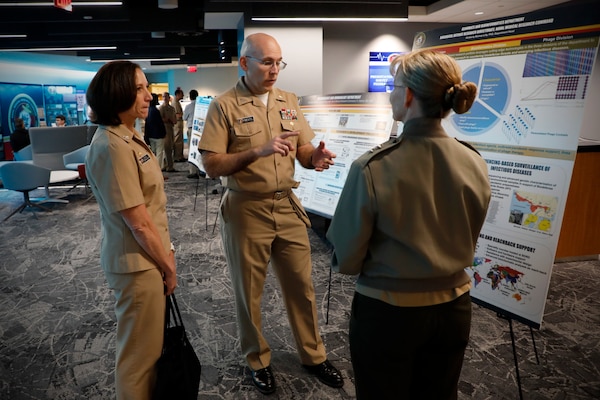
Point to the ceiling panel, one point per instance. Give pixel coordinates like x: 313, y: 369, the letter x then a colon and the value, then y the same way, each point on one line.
x: 140, y: 29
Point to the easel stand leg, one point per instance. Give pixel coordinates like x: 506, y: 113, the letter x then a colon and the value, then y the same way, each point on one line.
x: 514, y: 349
x: 537, y: 359
x: 327, y: 223
x: 206, y: 202
x: 328, y: 296
x: 196, y: 197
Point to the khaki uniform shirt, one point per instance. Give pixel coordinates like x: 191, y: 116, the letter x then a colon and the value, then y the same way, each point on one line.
x: 168, y: 112
x: 410, y: 215
x: 237, y: 121
x: 123, y: 173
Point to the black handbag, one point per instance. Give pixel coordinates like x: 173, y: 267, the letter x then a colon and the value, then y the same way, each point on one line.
x: 178, y: 368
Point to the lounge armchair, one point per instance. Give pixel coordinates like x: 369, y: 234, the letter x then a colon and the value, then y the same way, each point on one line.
x: 24, y: 177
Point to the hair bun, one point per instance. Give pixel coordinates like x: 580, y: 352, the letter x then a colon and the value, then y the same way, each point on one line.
x: 460, y: 97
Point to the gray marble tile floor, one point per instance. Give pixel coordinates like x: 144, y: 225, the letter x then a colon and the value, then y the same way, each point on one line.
x: 57, y: 325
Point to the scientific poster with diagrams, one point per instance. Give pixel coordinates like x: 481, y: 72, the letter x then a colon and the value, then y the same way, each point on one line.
x: 350, y: 124
x: 200, y: 111
x: 533, y: 74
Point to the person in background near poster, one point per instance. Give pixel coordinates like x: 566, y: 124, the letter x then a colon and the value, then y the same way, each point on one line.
x: 167, y: 112
x: 253, y: 135
x: 60, y: 120
x: 188, y: 117
x: 20, y: 136
x: 407, y: 222
x: 136, y: 253
x: 155, y: 131
x: 178, y: 128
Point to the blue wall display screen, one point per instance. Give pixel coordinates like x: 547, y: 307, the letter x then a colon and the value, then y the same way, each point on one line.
x: 379, y: 70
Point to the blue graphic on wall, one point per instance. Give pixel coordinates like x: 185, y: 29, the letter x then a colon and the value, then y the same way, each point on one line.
x: 20, y: 101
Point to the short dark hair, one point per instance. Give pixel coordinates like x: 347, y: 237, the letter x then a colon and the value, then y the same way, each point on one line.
x: 193, y: 94
x: 60, y: 116
x: 154, y: 102
x: 112, y: 91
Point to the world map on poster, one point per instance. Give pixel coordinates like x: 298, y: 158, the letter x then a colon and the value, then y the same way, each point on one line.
x: 533, y: 210
x: 499, y: 277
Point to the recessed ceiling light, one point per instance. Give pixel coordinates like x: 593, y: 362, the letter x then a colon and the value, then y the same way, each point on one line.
x: 59, y: 48
x: 479, y: 13
x: 51, y: 4
x: 318, y: 19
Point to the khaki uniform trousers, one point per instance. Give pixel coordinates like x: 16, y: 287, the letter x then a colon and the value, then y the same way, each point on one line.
x: 256, y: 230
x: 140, y: 310
x: 167, y: 162
x: 178, y: 140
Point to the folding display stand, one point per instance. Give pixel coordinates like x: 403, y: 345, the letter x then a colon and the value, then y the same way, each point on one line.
x: 514, y: 349
x: 206, y: 181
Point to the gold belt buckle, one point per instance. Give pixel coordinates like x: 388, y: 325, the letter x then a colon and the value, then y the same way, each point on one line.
x: 279, y: 195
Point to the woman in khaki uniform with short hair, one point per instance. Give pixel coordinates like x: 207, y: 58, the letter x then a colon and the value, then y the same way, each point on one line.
x: 136, y: 253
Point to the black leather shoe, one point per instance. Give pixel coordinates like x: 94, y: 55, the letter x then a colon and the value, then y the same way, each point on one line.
x: 327, y: 373
x: 264, y: 380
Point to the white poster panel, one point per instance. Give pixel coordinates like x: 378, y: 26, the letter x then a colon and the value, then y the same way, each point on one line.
x: 350, y: 124
x: 200, y: 111
x: 533, y: 73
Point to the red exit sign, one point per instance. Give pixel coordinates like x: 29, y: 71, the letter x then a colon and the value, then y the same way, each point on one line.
x: 64, y: 4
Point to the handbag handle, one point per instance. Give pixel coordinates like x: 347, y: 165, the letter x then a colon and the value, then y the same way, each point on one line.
x: 172, y: 309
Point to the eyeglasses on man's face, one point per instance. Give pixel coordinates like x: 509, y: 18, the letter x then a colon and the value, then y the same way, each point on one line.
x: 269, y: 63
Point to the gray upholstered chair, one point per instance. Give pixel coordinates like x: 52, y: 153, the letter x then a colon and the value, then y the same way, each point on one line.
x: 49, y: 144
x: 75, y: 161
x: 76, y: 157
x: 25, y: 154
x: 24, y: 177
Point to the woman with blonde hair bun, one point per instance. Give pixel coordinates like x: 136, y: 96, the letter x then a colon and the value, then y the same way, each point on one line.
x: 407, y: 223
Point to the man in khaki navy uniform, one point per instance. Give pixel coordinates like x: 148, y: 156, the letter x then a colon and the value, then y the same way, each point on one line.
x: 178, y: 128
x: 169, y: 117
x: 252, y: 136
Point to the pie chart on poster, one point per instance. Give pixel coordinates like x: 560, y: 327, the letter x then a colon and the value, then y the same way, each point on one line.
x: 493, y: 95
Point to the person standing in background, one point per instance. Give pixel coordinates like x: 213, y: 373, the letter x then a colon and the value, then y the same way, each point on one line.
x: 188, y: 117
x: 167, y: 112
x: 253, y: 135
x: 407, y: 222
x: 136, y: 253
x: 155, y: 131
x: 178, y: 129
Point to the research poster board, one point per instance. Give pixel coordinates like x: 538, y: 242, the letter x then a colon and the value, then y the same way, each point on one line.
x: 533, y: 74
x: 350, y: 124
x: 200, y: 111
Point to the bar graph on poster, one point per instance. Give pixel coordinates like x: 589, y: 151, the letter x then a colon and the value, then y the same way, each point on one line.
x: 533, y: 74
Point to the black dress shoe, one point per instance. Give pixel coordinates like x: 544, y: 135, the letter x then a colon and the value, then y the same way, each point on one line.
x: 327, y: 373
x: 194, y: 176
x: 264, y: 380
